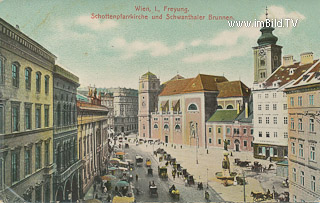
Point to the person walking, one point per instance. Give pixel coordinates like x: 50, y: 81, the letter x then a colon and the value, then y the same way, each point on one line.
x: 136, y: 177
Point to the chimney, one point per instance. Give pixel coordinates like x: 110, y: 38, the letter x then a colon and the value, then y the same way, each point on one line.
x: 287, y: 60
x: 306, y: 58
x: 246, y: 108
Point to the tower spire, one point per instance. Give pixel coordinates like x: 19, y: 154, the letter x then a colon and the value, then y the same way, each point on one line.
x: 267, y: 12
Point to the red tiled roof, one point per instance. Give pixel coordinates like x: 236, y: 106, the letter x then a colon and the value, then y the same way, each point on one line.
x: 283, y: 73
x: 198, y: 84
x: 233, y: 89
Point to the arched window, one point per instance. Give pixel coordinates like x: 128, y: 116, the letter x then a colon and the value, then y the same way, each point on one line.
x: 38, y: 81
x: 64, y: 114
x: 27, y: 74
x: 229, y: 106
x: 15, y: 74
x: 166, y: 126
x: 177, y: 127
x: 46, y: 84
x: 192, y: 107
x: 219, y: 107
x: 155, y: 126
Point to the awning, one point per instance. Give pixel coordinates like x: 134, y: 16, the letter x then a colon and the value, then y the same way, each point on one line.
x: 117, y: 199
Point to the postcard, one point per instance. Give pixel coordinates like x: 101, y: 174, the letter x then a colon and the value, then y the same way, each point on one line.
x: 159, y: 101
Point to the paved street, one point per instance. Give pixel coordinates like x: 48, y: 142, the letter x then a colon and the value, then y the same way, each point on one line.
x: 187, y: 194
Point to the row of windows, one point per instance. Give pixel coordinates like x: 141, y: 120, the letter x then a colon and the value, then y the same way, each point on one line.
x: 274, y: 95
x: 67, y: 154
x: 245, y: 142
x: 312, y: 151
x: 16, y: 117
x: 275, y: 134
x: 235, y: 130
x: 272, y: 151
x: 166, y: 127
x: 301, y: 125
x: 68, y: 114
x: 16, y: 172
x: 15, y: 72
x: 301, y: 179
x: 275, y: 120
x: 300, y: 103
x: 274, y: 107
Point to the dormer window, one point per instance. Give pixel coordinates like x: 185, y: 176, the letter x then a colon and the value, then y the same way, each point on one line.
x: 291, y: 71
x: 305, y: 77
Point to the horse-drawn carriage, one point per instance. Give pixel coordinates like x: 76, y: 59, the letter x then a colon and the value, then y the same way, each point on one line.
x: 174, y: 193
x: 153, y: 190
x: 190, y: 180
x: 162, y: 172
x: 260, y: 196
x: 139, y: 160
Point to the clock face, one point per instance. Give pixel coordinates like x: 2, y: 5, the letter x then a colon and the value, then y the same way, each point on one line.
x: 262, y: 52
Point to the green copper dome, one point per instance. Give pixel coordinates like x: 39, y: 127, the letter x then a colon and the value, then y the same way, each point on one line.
x: 267, y: 37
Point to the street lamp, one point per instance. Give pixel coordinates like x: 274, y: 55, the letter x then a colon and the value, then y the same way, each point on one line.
x: 244, y: 186
x: 207, y: 179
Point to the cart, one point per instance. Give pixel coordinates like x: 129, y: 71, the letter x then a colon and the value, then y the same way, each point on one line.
x: 153, y: 191
x: 150, y: 173
x: 190, y: 180
x: 163, y: 172
x: 175, y: 194
x: 139, y: 160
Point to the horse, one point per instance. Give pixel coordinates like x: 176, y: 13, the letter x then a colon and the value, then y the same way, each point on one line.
x: 257, y: 196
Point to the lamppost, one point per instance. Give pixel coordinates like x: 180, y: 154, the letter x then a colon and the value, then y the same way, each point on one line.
x: 244, y: 186
x: 207, y: 179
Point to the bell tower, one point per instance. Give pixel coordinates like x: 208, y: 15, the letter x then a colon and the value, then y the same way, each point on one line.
x: 149, y: 88
x: 267, y: 55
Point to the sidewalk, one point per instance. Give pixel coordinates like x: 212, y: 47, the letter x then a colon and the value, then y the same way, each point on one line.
x: 212, y: 163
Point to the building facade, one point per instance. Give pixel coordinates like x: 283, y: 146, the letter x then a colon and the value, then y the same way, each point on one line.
x: 125, y: 105
x: 92, y: 140
x: 26, y: 117
x: 149, y: 88
x: 107, y: 100
x: 67, y: 175
x: 303, y: 98
x: 271, y: 109
x: 184, y: 105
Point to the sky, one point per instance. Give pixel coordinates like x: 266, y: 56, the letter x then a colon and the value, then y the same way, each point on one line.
x: 114, y: 53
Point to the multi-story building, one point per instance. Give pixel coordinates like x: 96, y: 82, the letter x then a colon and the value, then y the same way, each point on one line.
x: 67, y: 175
x: 233, y: 119
x: 303, y: 98
x: 270, y: 109
x: 26, y: 117
x: 149, y: 86
x: 125, y: 105
x: 107, y: 100
x: 92, y: 139
x: 184, y: 107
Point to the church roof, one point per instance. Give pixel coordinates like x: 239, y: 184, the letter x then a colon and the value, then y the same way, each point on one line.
x: 283, y: 76
x: 149, y: 75
x: 233, y: 89
x: 177, y: 77
x: 267, y: 37
x: 200, y: 83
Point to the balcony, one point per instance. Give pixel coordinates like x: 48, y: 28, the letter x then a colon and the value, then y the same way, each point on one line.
x: 61, y: 177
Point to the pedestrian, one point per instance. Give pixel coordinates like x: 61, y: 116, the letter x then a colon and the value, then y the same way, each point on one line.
x: 136, y: 177
x: 94, y: 187
x: 105, y: 190
x: 109, y: 198
x: 178, y: 174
